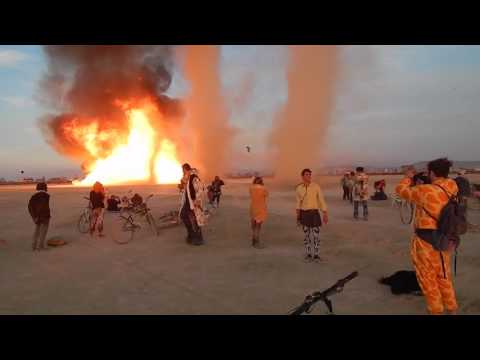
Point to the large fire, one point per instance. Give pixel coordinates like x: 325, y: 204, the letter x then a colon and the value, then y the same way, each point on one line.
x: 129, y: 160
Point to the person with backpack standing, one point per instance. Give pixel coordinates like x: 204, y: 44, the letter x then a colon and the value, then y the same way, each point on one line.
x: 430, y: 259
x: 39, y: 209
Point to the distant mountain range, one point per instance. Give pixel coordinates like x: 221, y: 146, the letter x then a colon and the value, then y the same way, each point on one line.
x: 473, y: 165
x: 456, y: 164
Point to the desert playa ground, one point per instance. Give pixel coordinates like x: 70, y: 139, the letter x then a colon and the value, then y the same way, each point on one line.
x: 164, y: 275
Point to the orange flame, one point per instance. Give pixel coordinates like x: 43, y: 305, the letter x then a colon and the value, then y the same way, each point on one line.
x: 130, y: 161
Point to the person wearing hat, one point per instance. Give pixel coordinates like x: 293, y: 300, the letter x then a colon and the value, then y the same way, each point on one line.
x: 39, y: 209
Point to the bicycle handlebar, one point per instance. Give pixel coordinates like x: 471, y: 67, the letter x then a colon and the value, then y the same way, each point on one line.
x: 310, y: 300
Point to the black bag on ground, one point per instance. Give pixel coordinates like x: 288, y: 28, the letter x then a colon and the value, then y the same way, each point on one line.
x: 402, y: 282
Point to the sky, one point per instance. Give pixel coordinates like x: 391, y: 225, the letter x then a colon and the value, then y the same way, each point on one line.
x: 393, y: 105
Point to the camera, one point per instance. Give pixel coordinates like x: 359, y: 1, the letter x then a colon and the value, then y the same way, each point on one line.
x: 420, y: 178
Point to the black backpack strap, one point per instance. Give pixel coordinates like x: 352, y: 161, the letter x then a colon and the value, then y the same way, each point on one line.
x: 446, y: 192
x: 455, y: 263
x: 428, y: 213
x: 443, y: 265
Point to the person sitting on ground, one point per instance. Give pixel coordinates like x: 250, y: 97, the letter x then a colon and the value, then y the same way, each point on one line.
x: 112, y: 203
x: 97, y: 199
x: 379, y: 190
x: 39, y: 209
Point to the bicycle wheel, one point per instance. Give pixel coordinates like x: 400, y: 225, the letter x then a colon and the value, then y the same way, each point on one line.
x: 473, y: 204
x: 406, y: 213
x: 83, y: 223
x: 128, y: 231
x: 152, y: 224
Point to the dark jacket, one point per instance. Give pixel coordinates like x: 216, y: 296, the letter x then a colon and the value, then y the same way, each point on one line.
x: 97, y: 199
x: 39, y: 207
x: 217, y: 186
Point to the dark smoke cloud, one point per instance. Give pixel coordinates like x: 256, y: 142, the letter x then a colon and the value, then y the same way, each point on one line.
x: 83, y: 83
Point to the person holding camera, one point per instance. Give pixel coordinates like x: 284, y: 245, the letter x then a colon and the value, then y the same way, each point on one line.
x: 432, y: 266
x: 309, y: 201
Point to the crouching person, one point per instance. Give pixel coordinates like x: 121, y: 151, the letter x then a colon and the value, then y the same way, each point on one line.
x: 39, y: 209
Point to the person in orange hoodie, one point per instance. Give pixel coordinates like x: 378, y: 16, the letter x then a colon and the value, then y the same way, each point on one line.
x: 432, y: 267
x: 258, y: 210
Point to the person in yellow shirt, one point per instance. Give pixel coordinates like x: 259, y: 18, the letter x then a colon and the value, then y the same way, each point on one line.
x: 432, y: 267
x: 309, y: 201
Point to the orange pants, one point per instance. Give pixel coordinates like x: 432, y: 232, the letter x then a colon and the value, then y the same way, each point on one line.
x: 438, y: 290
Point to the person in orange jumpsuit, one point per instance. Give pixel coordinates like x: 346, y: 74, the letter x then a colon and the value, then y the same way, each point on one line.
x: 432, y: 267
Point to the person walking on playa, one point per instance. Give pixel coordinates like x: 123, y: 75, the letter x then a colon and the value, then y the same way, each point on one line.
x: 360, y: 193
x: 97, y: 200
x: 191, y: 206
x: 432, y: 267
x: 258, y: 210
x: 309, y: 201
x: 217, y: 190
x: 39, y: 209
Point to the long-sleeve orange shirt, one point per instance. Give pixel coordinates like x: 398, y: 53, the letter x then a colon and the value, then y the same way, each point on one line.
x: 428, y: 196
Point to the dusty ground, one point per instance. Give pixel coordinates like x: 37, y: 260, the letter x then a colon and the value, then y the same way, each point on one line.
x: 163, y: 275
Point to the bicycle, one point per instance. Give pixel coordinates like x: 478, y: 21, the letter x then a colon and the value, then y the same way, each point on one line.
x: 129, y: 225
x: 405, y: 208
x: 83, y: 223
x: 310, y: 300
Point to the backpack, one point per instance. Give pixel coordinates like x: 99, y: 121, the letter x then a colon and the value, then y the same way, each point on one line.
x: 450, y: 225
x: 463, y: 186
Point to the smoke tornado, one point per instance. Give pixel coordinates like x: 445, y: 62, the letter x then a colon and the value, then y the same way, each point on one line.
x: 207, y: 111
x: 300, y: 126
